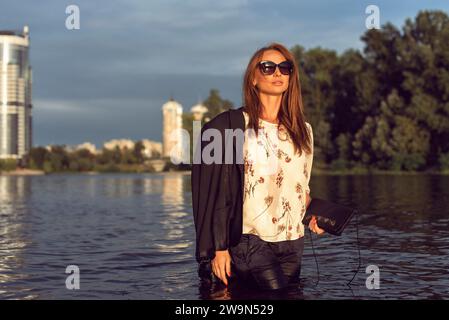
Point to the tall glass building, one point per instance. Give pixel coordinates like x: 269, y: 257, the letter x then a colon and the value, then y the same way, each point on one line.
x: 15, y: 94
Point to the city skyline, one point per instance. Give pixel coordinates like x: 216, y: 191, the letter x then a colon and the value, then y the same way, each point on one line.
x: 109, y: 79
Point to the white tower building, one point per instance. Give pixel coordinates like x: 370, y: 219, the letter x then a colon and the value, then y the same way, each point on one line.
x: 198, y: 111
x: 171, y: 125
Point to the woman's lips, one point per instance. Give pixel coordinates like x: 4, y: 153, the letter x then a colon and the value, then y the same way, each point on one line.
x: 277, y: 83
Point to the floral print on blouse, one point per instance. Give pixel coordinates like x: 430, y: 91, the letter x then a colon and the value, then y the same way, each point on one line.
x: 276, y: 183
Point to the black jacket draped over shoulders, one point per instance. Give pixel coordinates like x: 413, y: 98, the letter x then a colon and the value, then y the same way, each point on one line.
x: 217, y: 188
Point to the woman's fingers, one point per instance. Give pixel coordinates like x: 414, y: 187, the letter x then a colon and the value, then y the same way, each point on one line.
x: 228, y: 267
x: 218, y: 268
x: 221, y: 271
x: 221, y: 265
x: 313, y: 225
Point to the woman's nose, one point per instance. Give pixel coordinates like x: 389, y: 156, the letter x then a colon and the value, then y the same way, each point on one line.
x: 277, y: 72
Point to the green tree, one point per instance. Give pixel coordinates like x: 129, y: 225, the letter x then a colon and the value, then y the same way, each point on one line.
x: 117, y: 155
x: 317, y: 71
x: 81, y: 160
x: 138, y: 152
x: 8, y: 164
x: 391, y: 140
x: 408, y: 125
x: 57, y: 159
x: 128, y: 156
x: 37, y: 157
x: 215, y: 104
x: 106, y: 156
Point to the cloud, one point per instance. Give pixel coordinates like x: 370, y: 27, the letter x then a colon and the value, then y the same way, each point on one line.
x: 58, y: 106
x: 112, y: 76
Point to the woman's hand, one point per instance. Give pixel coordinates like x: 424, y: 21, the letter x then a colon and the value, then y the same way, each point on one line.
x: 313, y: 226
x: 221, y: 265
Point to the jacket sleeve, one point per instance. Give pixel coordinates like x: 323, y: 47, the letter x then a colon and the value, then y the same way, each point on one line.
x: 208, y: 204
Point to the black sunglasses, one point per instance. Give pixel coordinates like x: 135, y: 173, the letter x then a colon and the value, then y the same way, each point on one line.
x: 269, y: 67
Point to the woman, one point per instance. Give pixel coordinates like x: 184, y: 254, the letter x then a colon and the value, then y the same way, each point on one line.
x: 277, y: 155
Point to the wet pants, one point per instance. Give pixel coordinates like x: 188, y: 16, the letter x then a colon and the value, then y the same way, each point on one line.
x: 268, y: 265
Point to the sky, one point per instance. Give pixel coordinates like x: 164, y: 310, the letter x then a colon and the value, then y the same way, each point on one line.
x: 109, y: 79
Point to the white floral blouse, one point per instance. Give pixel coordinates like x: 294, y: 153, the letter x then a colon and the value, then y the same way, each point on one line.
x: 276, y: 182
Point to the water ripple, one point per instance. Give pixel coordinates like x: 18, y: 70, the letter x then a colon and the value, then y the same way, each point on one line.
x: 132, y: 237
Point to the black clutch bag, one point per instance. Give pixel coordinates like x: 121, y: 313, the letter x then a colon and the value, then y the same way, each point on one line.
x: 331, y: 217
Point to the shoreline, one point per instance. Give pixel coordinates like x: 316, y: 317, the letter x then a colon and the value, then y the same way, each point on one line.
x: 317, y: 172
x: 376, y: 172
x: 23, y: 172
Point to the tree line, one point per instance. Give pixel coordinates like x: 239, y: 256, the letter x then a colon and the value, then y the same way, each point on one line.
x: 58, y: 159
x: 384, y: 108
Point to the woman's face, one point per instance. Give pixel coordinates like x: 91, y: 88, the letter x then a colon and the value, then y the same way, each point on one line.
x: 276, y: 83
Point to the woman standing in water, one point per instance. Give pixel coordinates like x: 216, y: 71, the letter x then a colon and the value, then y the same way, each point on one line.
x: 274, y: 192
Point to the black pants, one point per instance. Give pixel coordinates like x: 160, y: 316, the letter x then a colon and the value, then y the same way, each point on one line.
x: 269, y: 265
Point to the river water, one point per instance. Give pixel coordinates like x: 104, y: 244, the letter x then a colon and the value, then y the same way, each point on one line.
x: 132, y: 237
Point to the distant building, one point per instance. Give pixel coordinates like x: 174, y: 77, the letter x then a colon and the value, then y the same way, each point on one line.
x: 15, y: 94
x: 87, y: 145
x: 120, y: 143
x: 171, y: 125
x: 198, y: 111
x: 152, y: 148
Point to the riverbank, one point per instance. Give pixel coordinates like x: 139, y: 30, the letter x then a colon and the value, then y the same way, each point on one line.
x: 22, y: 172
x: 316, y: 171
x: 354, y: 172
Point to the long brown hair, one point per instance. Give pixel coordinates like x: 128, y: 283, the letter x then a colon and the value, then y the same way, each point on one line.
x: 291, y: 112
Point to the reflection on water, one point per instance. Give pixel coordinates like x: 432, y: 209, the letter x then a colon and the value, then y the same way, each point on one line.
x: 12, y: 240
x: 132, y: 236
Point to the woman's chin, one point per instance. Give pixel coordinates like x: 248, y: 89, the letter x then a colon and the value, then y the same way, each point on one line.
x: 273, y: 91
